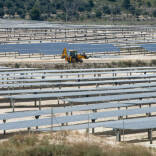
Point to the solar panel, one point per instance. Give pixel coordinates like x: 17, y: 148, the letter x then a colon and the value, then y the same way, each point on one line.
x: 105, y: 82
x: 141, y: 123
x: 85, y: 93
x: 75, y: 83
x: 78, y: 79
x: 99, y: 99
x: 149, y: 47
x: 124, y: 86
x: 74, y: 70
x: 63, y: 110
x: 50, y: 73
x: 25, y: 85
x: 86, y: 117
x: 75, y: 108
x: 56, y: 48
x: 111, y: 98
x: 28, y: 91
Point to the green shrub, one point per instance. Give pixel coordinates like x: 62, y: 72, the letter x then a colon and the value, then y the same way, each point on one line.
x: 17, y: 65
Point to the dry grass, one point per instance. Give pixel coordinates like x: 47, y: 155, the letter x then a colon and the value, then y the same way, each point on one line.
x: 113, y: 64
x: 35, y: 145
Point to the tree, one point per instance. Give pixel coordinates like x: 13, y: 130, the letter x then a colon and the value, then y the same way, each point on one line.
x: 154, y: 13
x: 72, y: 8
x: 1, y: 12
x: 149, y: 4
x: 112, y: 0
x: 9, y: 4
x: 91, y: 3
x: 116, y: 11
x: 35, y: 14
x: 133, y: 10
x: 20, y: 12
x: 1, y: 5
x: 126, y: 4
x: 98, y: 14
x: 106, y: 10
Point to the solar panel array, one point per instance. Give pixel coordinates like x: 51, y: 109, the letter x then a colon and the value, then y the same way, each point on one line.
x: 149, y: 47
x: 57, y: 48
x: 50, y: 73
x: 34, y: 70
x: 131, y: 92
x: 28, y: 78
x: 141, y: 123
x: 89, y: 93
x: 7, y: 116
x: 32, y: 91
x: 83, y: 117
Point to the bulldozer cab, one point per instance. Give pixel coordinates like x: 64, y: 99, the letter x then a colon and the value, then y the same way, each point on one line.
x: 73, y: 53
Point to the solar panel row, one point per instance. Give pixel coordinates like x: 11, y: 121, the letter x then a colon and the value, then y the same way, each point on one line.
x: 77, y: 79
x: 149, y: 47
x: 7, y: 116
x: 131, y: 97
x: 82, y: 93
x: 141, y: 123
x: 70, y: 84
x: 36, y: 70
x: 49, y: 73
x: 43, y: 75
x: 57, y: 48
x: 112, y: 98
x: 83, y: 117
x: 31, y: 91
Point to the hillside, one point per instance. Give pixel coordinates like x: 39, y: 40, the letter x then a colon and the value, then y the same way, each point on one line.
x: 78, y: 10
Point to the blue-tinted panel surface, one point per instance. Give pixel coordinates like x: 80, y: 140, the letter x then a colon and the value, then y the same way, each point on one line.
x: 149, y: 47
x: 141, y: 123
x: 128, y: 124
x: 57, y: 48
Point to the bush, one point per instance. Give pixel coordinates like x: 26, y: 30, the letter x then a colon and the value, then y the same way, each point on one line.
x: 116, y: 11
x: 153, y: 63
x: 17, y: 65
x: 154, y: 13
x: 126, y: 4
x: 1, y: 12
x: 106, y: 10
x: 149, y: 4
x: 98, y: 14
x: 35, y: 14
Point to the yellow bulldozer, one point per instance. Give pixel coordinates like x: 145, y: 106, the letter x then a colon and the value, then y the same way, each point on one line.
x: 73, y: 56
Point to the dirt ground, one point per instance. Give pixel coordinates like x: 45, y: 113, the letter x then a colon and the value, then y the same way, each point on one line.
x: 57, y: 59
